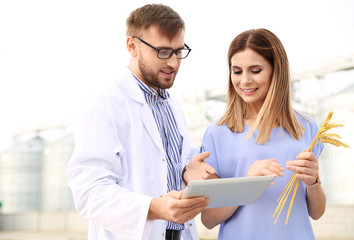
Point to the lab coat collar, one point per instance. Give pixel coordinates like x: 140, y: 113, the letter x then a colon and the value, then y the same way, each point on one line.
x: 132, y: 88
x: 136, y: 94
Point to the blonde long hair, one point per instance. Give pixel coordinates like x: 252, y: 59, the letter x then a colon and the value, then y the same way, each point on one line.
x: 277, y: 108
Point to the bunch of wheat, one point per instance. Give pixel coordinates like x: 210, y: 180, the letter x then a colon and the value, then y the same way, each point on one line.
x: 321, y: 136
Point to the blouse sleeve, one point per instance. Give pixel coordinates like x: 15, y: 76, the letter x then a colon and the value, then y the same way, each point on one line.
x: 319, y: 147
x: 208, y: 144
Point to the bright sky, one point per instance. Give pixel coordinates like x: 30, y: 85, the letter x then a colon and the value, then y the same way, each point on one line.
x: 53, y: 54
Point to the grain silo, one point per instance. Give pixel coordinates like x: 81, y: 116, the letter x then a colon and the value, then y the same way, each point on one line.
x: 20, y: 186
x: 56, y: 195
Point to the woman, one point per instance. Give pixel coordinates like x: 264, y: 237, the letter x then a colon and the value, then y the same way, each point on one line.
x: 261, y: 134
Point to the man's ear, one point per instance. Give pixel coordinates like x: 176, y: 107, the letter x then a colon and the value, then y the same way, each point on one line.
x: 131, y: 46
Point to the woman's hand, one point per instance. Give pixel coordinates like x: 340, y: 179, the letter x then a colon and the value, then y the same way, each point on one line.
x: 306, y: 167
x: 265, y: 167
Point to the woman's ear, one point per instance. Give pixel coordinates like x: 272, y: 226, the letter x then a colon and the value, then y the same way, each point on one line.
x: 131, y: 46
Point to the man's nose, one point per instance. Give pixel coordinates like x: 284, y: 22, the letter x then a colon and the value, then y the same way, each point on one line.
x: 173, y: 61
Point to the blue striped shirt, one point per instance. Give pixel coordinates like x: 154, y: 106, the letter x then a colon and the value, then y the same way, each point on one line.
x: 170, y: 136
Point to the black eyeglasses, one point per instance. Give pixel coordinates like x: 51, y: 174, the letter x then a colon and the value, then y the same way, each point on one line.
x: 166, y: 53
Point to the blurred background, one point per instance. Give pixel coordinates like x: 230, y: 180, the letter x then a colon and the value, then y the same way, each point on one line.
x: 55, y: 54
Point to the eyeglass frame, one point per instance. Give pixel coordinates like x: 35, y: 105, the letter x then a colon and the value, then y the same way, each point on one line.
x: 173, y: 51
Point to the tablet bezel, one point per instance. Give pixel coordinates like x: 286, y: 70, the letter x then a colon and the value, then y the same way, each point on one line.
x: 227, y: 192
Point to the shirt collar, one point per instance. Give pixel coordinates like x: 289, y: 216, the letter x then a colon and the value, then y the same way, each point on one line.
x: 150, y: 91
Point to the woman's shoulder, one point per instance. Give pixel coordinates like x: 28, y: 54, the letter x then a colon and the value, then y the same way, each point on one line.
x: 215, y: 127
x: 308, y: 122
x: 221, y: 133
x: 304, y: 118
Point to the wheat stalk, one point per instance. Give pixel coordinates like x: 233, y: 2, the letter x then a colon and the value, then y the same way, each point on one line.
x: 321, y: 137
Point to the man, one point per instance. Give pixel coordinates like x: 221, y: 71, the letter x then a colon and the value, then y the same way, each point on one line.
x: 131, y: 142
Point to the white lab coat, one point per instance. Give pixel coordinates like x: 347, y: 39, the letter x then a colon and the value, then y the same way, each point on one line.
x: 119, y: 165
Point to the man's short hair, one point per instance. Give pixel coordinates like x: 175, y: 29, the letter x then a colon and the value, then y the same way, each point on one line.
x: 163, y: 17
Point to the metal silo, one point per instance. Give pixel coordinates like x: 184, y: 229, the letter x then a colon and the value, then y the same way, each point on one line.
x: 20, y: 171
x: 56, y: 195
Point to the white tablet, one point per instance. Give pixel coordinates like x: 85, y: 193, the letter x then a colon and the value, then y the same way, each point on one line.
x: 227, y: 192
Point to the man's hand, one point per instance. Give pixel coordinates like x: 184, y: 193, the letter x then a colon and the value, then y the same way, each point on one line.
x: 172, y: 208
x: 197, y: 169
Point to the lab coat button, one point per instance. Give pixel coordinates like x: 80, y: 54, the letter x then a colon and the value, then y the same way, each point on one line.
x: 163, y: 159
x: 190, y: 224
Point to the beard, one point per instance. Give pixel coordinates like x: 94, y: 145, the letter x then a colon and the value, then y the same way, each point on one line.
x: 153, y: 79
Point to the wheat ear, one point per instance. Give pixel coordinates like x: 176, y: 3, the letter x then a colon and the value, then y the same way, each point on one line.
x: 321, y: 137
